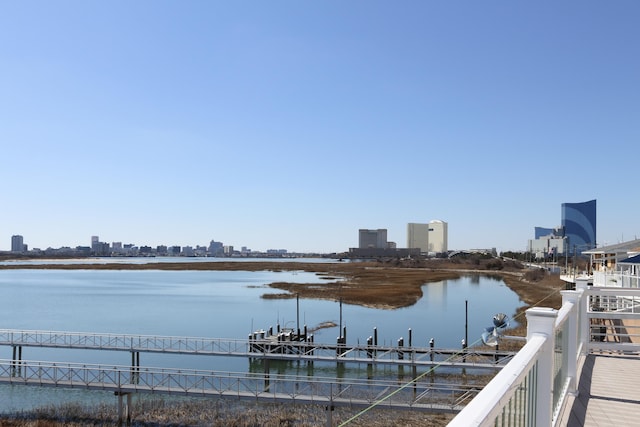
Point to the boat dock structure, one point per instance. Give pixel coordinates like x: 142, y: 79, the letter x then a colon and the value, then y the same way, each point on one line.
x: 412, y: 389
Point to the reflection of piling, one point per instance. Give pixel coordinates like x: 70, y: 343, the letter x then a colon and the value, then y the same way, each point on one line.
x: 266, y: 375
x: 135, y: 367
x: 16, y: 362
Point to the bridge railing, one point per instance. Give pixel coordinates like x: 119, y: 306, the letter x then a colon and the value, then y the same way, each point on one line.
x: 531, y: 390
x: 286, y: 350
x: 98, y: 341
x: 422, y: 395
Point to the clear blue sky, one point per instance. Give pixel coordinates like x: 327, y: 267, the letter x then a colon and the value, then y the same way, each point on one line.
x: 292, y: 124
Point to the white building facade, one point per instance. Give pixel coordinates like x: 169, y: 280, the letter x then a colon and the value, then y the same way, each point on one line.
x: 438, y: 236
x: 418, y: 236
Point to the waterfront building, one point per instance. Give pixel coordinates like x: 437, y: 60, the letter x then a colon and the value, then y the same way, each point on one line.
x: 372, y: 238
x: 17, y: 243
x: 418, y: 236
x: 438, y: 236
x: 579, y: 225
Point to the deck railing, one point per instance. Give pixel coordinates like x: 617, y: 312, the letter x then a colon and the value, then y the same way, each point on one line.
x: 532, y: 389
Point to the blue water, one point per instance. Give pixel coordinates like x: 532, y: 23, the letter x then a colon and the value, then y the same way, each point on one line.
x: 218, y: 304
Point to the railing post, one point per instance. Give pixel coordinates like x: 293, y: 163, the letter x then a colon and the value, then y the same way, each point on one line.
x: 582, y: 285
x: 571, y: 352
x: 541, y: 321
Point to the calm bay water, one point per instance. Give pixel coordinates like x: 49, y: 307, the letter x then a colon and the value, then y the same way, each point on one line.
x: 217, y: 304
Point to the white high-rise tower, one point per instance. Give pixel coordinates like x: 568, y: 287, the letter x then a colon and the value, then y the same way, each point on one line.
x: 438, y: 236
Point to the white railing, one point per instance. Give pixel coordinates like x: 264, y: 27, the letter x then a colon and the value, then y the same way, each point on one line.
x: 532, y: 389
x: 618, y: 279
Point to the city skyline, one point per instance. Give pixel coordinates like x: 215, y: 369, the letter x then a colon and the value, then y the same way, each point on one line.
x: 292, y: 125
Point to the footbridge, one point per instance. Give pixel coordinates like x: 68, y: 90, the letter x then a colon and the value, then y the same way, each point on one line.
x: 418, y: 391
x: 257, y: 348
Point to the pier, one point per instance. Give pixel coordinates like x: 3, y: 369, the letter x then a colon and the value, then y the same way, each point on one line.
x: 285, y: 345
x: 415, y: 391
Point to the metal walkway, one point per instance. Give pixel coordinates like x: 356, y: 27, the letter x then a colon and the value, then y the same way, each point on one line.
x: 420, y: 395
x: 259, y: 349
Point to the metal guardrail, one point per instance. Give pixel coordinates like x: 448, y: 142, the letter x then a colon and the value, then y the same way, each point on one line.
x: 421, y: 395
x: 283, y: 350
x: 122, y: 342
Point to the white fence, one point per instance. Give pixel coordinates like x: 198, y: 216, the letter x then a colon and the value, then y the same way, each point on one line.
x: 532, y: 389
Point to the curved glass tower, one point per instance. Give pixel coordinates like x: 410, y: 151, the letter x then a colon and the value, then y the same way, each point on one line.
x: 579, y: 225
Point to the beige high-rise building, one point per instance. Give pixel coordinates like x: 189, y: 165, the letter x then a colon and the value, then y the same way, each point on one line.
x: 438, y: 236
x: 418, y: 236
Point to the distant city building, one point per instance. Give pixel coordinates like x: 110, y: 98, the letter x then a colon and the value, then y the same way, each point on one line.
x: 216, y: 248
x: 101, y: 249
x: 372, y: 238
x: 276, y: 251
x: 418, y: 236
x: 579, y: 225
x: 228, y: 250
x: 548, y: 242
x: 543, y: 232
x: 17, y: 244
x: 438, y: 236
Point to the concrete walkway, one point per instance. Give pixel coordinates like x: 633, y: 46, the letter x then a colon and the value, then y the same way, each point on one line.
x: 609, y: 393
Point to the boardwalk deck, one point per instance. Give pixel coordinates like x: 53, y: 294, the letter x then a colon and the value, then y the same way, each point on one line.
x: 608, y: 393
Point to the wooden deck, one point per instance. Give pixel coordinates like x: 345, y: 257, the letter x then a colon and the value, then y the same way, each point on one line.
x: 609, y: 393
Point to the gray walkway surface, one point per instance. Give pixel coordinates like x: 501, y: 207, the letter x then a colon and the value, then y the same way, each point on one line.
x: 609, y: 393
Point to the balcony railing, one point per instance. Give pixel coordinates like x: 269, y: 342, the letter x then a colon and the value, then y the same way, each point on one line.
x: 532, y: 389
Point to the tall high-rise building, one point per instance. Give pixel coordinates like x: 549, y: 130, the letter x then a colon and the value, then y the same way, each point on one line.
x: 418, y: 236
x: 372, y: 238
x: 17, y: 243
x: 579, y: 225
x: 438, y: 236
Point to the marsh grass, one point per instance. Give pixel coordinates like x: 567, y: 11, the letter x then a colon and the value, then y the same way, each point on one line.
x: 159, y: 412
